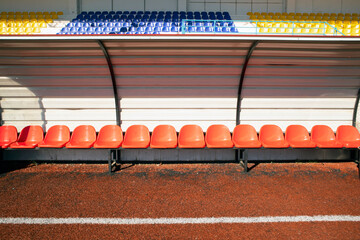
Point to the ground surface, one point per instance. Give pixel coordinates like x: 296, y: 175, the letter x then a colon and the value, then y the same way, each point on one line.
x: 181, y: 191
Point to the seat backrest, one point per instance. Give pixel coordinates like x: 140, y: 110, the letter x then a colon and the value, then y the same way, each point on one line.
x: 218, y: 135
x: 271, y: 133
x: 296, y: 133
x: 83, y: 133
x: 164, y: 135
x: 191, y: 133
x: 58, y: 133
x: 137, y: 134
x: 8, y: 134
x: 347, y: 133
x: 321, y: 133
x: 244, y: 132
x: 110, y: 133
x: 32, y: 133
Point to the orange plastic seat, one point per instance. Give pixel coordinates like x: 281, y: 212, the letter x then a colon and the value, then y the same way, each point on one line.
x: 30, y: 137
x: 298, y: 137
x: 191, y: 136
x: 324, y: 137
x: 56, y: 137
x: 245, y: 136
x: 137, y: 136
x: 218, y: 136
x: 163, y: 136
x: 83, y: 136
x: 110, y: 136
x: 348, y: 135
x: 8, y: 135
x: 271, y: 136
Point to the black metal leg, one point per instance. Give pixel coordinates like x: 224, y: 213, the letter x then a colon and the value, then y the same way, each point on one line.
x: 358, y: 161
x: 245, y: 157
x: 113, y: 160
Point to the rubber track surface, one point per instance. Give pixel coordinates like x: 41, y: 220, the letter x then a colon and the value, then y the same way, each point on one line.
x: 198, y: 190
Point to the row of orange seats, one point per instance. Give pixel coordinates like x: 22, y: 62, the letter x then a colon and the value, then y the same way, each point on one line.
x: 190, y: 136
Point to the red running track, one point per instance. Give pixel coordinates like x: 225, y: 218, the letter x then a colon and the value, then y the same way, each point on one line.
x: 189, y: 191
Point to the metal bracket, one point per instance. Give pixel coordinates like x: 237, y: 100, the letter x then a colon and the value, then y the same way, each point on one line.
x: 113, y: 79
x: 242, y: 76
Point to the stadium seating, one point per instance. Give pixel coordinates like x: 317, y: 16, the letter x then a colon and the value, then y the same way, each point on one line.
x: 56, y: 137
x: 218, y: 136
x: 8, y: 135
x: 298, y: 137
x: 164, y: 136
x: 29, y: 137
x: 83, y: 136
x: 155, y: 22
x: 324, y: 137
x: 306, y: 23
x: 137, y: 136
x: 349, y: 136
x: 244, y: 137
x: 191, y: 136
x: 110, y: 136
x: 25, y: 22
x: 271, y: 136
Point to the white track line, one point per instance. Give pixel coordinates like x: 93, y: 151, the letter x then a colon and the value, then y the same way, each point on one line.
x: 213, y: 220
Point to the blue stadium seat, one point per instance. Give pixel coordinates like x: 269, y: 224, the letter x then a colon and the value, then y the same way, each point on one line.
x: 209, y: 29
x: 175, y: 29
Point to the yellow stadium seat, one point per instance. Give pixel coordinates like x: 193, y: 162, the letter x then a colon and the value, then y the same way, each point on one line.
x: 333, y: 14
x: 49, y: 20
x: 314, y: 31
x: 263, y: 30
x: 340, y: 15
x: 305, y: 30
x: 318, y: 14
x: 36, y: 30
x: 288, y: 30
x: 39, y: 13
x: 355, y: 32
x: 346, y: 32
x: 311, y: 18
x: 276, y: 17
x: 284, y: 25
x: 325, y: 18
x: 60, y: 13
x: 10, y: 13
x: 305, y: 14
x: 277, y: 14
x: 272, y: 30
x: 312, y: 14
x: 297, y: 30
x: 54, y: 16
x: 280, y: 30
x: 291, y: 14
x: 28, y: 30
x: 276, y: 24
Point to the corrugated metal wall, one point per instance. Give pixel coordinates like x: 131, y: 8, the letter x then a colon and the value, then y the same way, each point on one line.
x: 178, y: 82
